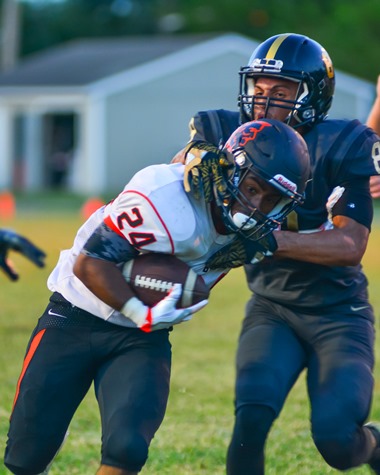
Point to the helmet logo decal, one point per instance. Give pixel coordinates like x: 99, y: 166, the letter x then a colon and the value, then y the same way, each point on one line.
x: 285, y: 182
x: 264, y: 64
x: 328, y: 64
x: 247, y: 134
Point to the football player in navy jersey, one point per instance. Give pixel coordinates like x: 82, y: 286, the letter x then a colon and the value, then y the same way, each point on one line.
x: 96, y: 330
x: 373, y: 121
x: 309, y: 307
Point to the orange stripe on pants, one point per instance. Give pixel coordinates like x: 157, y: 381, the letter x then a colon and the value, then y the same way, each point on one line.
x: 28, y: 358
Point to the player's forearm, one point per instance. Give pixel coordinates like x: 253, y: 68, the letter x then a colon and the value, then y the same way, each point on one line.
x: 179, y: 157
x: 373, y: 120
x: 330, y: 248
x: 375, y: 186
x: 103, y: 279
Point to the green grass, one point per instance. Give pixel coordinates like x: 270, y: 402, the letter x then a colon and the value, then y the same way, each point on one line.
x: 195, y: 433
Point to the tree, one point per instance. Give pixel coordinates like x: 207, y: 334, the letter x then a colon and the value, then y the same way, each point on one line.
x: 349, y: 33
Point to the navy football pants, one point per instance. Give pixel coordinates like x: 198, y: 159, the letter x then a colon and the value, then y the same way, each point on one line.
x: 276, y: 345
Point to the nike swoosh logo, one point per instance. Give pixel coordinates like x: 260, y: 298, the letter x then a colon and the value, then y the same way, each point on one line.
x: 356, y: 309
x: 55, y: 314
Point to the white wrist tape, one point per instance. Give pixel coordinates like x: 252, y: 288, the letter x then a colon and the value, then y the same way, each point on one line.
x: 135, y: 310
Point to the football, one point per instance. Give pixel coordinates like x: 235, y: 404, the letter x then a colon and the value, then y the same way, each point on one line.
x: 152, y: 275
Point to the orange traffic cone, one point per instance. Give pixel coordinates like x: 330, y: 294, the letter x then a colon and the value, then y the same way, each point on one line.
x: 90, y: 206
x: 7, y: 206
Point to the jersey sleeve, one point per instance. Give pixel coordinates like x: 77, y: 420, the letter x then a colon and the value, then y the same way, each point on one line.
x: 355, y: 153
x: 134, y: 217
x: 355, y: 158
x: 368, y: 162
x: 355, y: 202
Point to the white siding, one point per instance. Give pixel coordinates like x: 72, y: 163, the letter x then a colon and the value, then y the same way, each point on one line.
x: 149, y: 123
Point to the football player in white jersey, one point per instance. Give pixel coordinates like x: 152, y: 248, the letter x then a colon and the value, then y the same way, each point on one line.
x: 95, y: 329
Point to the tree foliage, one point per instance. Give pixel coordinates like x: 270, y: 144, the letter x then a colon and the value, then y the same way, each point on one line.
x: 348, y: 29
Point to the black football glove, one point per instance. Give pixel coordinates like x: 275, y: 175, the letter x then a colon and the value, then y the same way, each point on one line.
x: 9, y: 240
x: 242, y: 251
x: 204, y: 170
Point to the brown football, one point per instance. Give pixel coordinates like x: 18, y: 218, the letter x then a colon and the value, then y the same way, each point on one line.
x: 152, y: 275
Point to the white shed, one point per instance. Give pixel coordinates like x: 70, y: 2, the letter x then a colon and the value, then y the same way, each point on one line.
x: 87, y: 115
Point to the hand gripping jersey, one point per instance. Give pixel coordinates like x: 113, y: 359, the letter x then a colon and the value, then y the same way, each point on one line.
x: 154, y: 214
x: 343, y: 154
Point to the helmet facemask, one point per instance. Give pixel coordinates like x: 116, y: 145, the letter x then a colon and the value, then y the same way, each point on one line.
x: 295, y: 58
x: 250, y: 222
x: 300, y: 110
x: 276, y: 157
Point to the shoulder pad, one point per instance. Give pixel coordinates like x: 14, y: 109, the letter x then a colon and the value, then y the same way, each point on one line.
x: 348, y: 145
x: 214, y: 126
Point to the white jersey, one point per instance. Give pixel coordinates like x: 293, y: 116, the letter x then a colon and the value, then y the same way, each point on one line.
x: 155, y: 214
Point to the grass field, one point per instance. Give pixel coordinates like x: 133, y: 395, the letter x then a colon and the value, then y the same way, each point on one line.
x: 198, y: 423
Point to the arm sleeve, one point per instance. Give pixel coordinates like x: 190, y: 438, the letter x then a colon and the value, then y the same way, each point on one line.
x: 355, y: 157
x: 105, y: 244
x: 355, y: 203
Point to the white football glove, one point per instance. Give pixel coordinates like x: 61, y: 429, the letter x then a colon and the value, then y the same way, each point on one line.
x: 163, y: 315
x: 332, y: 200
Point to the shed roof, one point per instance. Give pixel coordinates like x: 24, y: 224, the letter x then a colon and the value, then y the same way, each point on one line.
x: 81, y: 62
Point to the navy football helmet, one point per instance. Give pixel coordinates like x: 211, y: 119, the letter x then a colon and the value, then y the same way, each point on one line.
x: 296, y: 58
x: 274, y: 152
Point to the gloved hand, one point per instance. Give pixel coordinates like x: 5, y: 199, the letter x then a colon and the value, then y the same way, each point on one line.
x: 242, y: 251
x: 162, y: 315
x: 205, y: 168
x: 332, y: 200
x: 257, y: 250
x: 9, y: 240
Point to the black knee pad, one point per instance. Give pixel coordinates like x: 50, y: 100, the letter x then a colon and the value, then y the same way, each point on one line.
x: 252, y: 423
x: 257, y: 385
x: 337, y: 453
x: 335, y: 440
x: 334, y: 435
x: 128, y: 451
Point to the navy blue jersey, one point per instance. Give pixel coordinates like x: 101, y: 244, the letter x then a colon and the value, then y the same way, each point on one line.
x: 343, y: 154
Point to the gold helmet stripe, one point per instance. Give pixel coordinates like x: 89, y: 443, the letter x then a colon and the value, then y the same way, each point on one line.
x: 276, y: 44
